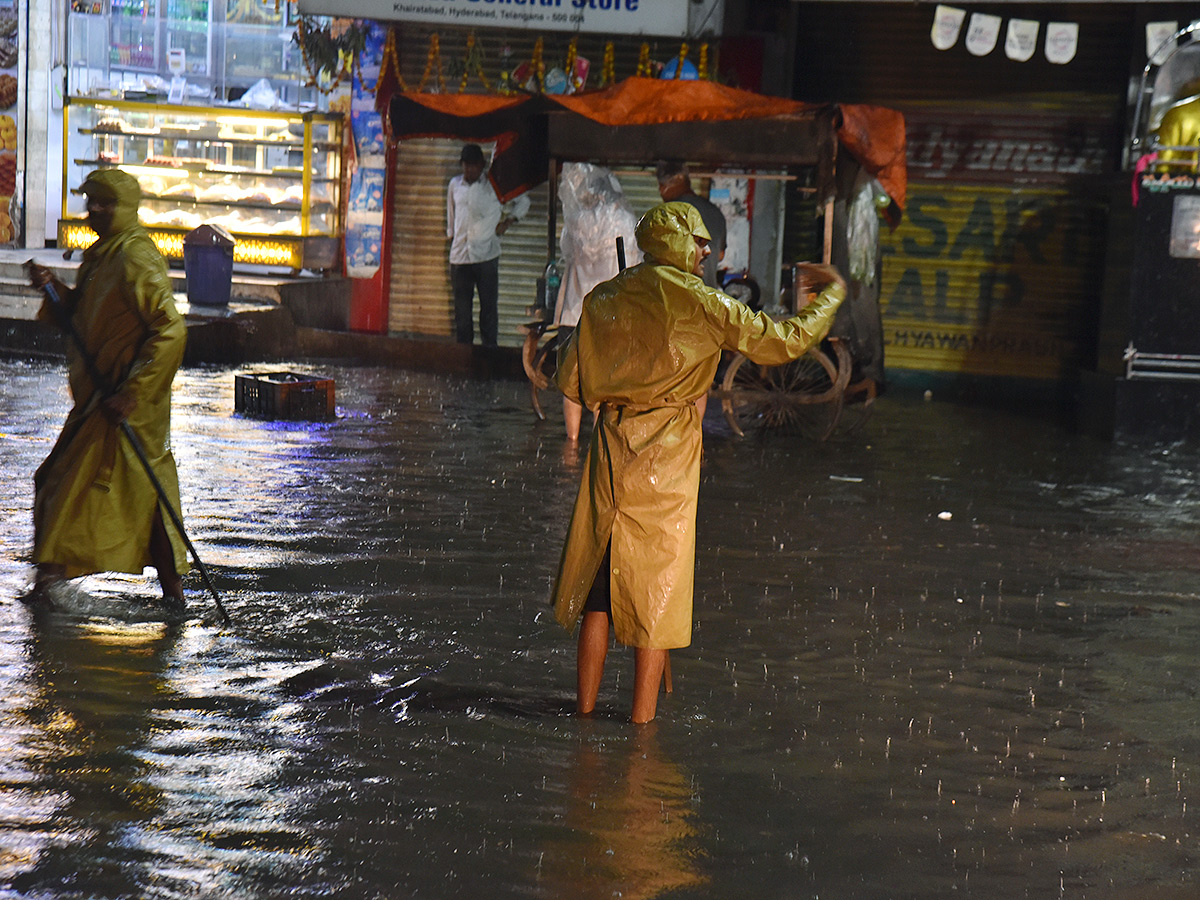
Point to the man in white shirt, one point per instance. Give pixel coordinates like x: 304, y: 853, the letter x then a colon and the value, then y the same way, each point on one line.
x: 475, y: 219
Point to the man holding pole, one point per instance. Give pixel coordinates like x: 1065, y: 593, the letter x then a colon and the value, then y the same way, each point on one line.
x: 97, y: 507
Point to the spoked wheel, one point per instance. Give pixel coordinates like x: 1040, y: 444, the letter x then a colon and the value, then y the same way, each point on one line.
x: 803, y: 396
x: 858, y: 401
x: 539, y: 356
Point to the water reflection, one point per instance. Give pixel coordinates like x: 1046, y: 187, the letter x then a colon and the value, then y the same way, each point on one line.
x: 879, y: 702
x: 86, y: 797
x: 630, y: 826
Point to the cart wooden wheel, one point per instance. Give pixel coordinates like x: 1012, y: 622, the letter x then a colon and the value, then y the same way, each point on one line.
x: 803, y: 396
x: 539, y: 356
x: 858, y: 401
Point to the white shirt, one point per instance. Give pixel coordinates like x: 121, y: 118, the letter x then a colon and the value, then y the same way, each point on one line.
x: 472, y: 214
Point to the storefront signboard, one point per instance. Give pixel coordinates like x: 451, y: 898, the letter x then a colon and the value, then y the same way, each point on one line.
x: 657, y: 17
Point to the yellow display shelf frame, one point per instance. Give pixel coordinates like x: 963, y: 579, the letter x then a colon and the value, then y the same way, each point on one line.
x: 310, y: 249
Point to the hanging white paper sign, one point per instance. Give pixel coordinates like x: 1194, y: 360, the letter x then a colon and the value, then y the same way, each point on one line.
x: 982, y: 33
x: 1021, y: 40
x: 1157, y: 36
x: 1062, y: 38
x: 947, y: 21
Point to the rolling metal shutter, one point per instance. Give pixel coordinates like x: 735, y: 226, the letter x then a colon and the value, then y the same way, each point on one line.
x: 996, y: 267
x: 420, y: 299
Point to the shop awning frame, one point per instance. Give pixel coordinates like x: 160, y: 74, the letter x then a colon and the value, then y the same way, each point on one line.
x: 640, y: 120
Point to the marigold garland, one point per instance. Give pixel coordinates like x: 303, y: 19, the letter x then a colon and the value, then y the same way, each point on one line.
x: 466, y: 72
x: 682, y: 58
x: 390, y: 59
x: 572, y: 55
x: 349, y: 63
x: 538, y: 66
x: 433, y: 56
x: 643, y: 65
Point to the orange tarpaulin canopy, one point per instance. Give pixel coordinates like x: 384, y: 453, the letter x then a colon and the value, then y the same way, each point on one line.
x: 466, y: 105
x: 650, y: 101
x: 873, y: 135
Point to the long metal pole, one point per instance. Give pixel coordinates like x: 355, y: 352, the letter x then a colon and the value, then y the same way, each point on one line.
x: 102, y: 384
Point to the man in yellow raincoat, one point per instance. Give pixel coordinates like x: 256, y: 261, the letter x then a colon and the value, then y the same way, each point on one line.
x: 95, y: 508
x: 646, y: 348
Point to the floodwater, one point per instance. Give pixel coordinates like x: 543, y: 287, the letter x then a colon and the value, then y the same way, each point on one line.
x: 954, y: 655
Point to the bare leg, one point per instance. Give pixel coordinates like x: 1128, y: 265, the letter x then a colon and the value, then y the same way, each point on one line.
x: 647, y: 676
x: 593, y: 648
x: 572, y: 415
x: 702, y: 405
x: 162, y: 555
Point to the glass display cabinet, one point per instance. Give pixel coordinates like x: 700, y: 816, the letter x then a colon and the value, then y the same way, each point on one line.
x: 272, y: 179
x: 220, y: 47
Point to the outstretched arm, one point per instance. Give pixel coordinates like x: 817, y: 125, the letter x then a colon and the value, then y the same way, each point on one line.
x: 763, y: 340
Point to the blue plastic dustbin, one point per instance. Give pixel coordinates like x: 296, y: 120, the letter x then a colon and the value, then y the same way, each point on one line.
x: 208, y: 265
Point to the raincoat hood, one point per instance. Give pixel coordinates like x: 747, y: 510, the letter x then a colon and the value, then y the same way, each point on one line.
x: 666, y: 234
x: 113, y: 184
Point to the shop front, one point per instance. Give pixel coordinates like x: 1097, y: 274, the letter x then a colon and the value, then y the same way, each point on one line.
x: 419, y: 288
x: 463, y: 47
x: 991, y: 284
x: 208, y: 104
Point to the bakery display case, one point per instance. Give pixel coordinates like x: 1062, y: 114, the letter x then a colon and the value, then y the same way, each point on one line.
x: 218, y: 47
x: 272, y: 179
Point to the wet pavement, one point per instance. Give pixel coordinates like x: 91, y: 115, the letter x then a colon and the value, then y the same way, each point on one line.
x: 954, y: 655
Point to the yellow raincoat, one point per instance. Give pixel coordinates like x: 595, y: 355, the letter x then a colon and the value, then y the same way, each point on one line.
x: 93, y: 502
x: 646, y: 348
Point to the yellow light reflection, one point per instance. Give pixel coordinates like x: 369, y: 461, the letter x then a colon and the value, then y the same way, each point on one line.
x: 255, y: 251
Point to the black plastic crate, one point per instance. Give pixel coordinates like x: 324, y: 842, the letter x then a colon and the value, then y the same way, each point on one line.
x: 283, y: 395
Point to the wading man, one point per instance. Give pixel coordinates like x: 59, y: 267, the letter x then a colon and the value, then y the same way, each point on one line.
x: 95, y: 508
x: 645, y: 349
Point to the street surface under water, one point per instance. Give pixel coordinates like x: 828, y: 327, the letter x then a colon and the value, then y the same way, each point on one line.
x: 881, y: 701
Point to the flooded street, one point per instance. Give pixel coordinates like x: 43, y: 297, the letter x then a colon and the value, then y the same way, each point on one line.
x: 955, y: 655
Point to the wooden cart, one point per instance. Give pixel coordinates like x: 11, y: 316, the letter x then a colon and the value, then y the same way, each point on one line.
x: 816, y: 395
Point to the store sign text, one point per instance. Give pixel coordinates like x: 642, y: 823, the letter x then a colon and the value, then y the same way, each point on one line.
x: 976, y: 342
x: 937, y: 151
x: 1163, y: 184
x: 960, y: 261
x: 664, y: 17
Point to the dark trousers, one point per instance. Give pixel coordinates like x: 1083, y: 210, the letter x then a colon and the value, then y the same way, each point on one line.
x: 464, y: 279
x: 599, y: 598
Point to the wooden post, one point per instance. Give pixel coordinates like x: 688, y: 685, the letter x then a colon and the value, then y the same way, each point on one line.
x: 552, y: 214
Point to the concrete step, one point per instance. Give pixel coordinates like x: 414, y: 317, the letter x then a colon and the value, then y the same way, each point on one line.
x: 313, y: 302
